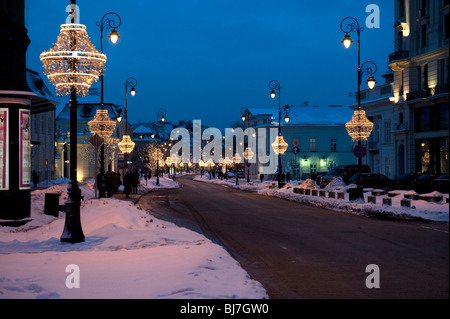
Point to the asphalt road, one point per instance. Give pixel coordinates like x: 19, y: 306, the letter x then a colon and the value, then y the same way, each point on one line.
x: 298, y: 251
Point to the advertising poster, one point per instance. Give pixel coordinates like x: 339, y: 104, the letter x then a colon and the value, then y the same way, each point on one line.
x: 4, y: 142
x: 25, y: 149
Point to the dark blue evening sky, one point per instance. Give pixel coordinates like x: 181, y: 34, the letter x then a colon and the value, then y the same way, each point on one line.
x: 206, y: 59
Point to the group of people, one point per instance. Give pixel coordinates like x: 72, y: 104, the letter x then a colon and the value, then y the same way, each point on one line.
x: 284, y: 177
x: 130, y: 183
x: 112, y: 183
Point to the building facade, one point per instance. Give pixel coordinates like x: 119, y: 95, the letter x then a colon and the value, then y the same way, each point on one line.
x: 316, y: 136
x: 42, y: 128
x: 421, y: 86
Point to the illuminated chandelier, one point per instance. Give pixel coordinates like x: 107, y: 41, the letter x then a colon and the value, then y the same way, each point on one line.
x: 359, y: 127
x: 248, y: 153
x: 73, y: 61
x: 237, y: 158
x: 126, y: 145
x: 279, y: 146
x: 102, y: 125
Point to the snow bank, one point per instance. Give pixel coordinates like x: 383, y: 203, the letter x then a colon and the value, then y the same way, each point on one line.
x: 420, y: 209
x: 127, y: 254
x: 308, y: 183
x: 336, y: 184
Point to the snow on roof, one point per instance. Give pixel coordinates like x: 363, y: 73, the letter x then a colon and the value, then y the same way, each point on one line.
x: 37, y: 85
x: 142, y: 129
x: 309, y: 115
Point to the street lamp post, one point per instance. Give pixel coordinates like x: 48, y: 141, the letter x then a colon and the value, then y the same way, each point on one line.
x: 359, y: 128
x: 127, y: 144
x: 279, y: 146
x: 159, y: 118
x: 73, y: 51
x: 105, y: 23
x: 236, y: 159
x: 245, y: 117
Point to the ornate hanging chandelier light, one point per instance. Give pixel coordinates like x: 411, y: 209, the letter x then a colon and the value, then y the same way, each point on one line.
x: 279, y: 146
x: 248, y: 153
x: 73, y: 61
x: 102, y: 125
x: 359, y: 127
x: 126, y: 145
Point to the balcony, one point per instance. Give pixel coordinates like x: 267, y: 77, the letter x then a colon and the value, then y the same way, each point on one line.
x: 400, y: 128
x: 419, y: 94
x: 398, y: 55
x: 373, y: 146
x: 440, y: 89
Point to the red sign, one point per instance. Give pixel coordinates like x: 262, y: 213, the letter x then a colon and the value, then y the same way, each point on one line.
x: 360, y: 151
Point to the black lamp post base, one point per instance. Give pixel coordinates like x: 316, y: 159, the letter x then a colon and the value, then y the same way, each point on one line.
x: 101, y: 185
x: 73, y: 232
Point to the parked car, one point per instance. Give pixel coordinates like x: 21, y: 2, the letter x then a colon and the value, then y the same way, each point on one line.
x: 346, y: 172
x: 440, y: 184
x: 423, y: 183
x: 372, y: 180
x: 319, y: 176
x: 332, y: 174
x: 240, y: 174
x: 350, y: 170
x: 405, y: 181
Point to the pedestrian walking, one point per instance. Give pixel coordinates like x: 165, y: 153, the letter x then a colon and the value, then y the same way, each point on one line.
x: 127, y: 180
x: 115, y: 182
x: 261, y: 177
x: 108, y: 184
x: 135, y: 182
x: 288, y: 177
x: 35, y: 178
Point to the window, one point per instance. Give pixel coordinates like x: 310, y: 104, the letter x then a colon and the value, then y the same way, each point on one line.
x: 401, y: 8
x: 425, y: 76
x: 423, y: 37
x: 312, y: 144
x: 400, y: 118
x: 419, y: 78
x: 443, y: 120
x: 429, y: 118
x: 333, y: 145
x: 401, y: 82
x: 441, y: 71
x: 423, y: 9
x: 446, y: 26
x: 422, y: 119
x: 387, y: 132
x: 400, y: 41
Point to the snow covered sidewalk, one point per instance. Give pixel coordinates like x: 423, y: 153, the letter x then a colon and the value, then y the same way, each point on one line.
x: 127, y: 254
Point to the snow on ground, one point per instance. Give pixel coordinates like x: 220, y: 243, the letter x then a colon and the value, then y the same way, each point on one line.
x: 420, y: 209
x: 127, y: 254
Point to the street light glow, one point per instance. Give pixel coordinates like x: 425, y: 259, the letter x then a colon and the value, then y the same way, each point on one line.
x: 371, y: 82
x: 272, y: 94
x: 114, y: 36
x: 347, y: 41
